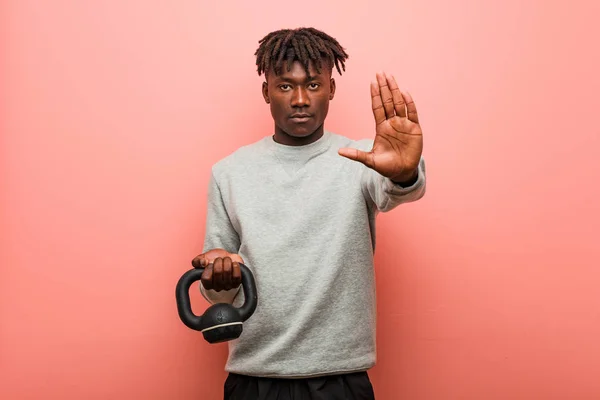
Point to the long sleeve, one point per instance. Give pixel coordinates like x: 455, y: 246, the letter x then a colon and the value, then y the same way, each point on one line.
x: 220, y: 233
x: 386, y: 195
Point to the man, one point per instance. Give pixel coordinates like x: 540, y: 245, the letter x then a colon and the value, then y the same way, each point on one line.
x: 298, y: 208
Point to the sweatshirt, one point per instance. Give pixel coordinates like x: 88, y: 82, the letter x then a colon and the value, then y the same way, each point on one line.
x: 303, y: 220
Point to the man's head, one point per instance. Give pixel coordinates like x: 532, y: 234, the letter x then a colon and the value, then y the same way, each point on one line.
x: 298, y: 66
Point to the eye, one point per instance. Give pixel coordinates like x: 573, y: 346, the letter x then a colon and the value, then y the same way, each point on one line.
x: 314, y: 85
x: 284, y: 87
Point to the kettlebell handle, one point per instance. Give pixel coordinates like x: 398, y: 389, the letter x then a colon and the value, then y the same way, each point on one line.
x: 184, y: 307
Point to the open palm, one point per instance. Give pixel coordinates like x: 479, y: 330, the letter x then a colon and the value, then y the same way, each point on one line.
x: 398, y: 140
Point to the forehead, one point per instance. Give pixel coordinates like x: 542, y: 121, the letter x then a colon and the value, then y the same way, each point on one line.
x: 298, y: 72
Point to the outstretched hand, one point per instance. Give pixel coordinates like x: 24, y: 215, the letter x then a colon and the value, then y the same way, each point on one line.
x: 398, y: 140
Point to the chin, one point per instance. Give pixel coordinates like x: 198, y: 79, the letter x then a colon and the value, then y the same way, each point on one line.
x: 300, y: 132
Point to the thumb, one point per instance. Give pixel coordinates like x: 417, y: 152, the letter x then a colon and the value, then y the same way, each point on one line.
x: 202, y: 260
x: 199, y: 261
x: 357, y: 155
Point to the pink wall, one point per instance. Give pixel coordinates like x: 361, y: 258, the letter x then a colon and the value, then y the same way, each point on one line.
x: 113, y: 113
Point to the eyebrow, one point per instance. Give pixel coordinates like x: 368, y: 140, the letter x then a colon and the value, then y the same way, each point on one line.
x: 308, y: 78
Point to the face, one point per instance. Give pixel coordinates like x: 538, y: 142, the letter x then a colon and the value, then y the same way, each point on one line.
x: 299, y: 102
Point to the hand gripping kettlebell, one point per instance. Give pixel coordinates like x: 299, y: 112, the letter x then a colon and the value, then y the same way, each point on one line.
x: 221, y: 321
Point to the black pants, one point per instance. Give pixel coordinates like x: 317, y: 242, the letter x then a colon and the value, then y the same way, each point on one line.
x: 352, y: 386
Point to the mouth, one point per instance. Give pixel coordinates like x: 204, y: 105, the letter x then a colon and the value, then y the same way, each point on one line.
x: 300, y: 117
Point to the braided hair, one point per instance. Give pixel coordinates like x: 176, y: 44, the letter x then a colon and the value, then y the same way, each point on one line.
x: 301, y: 44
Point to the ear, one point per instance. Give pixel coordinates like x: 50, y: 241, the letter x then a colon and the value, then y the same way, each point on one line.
x: 265, y: 92
x: 331, y: 88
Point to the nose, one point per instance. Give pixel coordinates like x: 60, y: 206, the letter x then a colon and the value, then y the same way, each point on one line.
x: 300, y: 97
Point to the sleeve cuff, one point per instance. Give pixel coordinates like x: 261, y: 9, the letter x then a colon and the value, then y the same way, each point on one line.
x: 395, y: 188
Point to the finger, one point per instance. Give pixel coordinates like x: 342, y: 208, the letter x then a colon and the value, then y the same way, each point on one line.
x: 386, y: 95
x: 399, y: 103
x: 197, y: 262
x: 411, y: 107
x: 218, y: 274
x: 376, y: 104
x: 227, y: 269
x: 236, y: 257
x: 236, y: 275
x: 358, y: 155
x: 207, y: 277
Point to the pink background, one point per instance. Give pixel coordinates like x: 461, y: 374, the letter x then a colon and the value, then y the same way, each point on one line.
x: 113, y: 113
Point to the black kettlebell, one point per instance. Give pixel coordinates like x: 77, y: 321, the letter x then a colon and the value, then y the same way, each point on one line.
x: 221, y: 321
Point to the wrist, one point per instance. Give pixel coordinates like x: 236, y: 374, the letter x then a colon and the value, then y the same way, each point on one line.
x: 406, y: 179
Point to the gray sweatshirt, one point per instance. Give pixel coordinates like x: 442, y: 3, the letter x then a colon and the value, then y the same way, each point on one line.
x: 303, y: 220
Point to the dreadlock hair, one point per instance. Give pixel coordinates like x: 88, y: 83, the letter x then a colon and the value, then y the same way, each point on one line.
x: 301, y: 44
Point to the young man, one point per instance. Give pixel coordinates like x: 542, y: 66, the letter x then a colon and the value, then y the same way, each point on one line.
x: 299, y: 208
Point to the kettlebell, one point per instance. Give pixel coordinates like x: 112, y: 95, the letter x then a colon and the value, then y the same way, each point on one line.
x: 221, y: 321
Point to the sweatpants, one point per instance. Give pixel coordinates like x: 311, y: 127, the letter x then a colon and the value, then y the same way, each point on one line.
x: 351, y: 386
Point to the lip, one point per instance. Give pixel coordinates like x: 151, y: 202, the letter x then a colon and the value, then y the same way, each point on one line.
x: 300, y: 117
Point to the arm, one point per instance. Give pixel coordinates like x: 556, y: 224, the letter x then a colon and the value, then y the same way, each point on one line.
x: 220, y: 234
x: 395, y: 168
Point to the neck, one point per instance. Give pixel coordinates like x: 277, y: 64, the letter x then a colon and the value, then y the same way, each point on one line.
x: 283, y: 138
